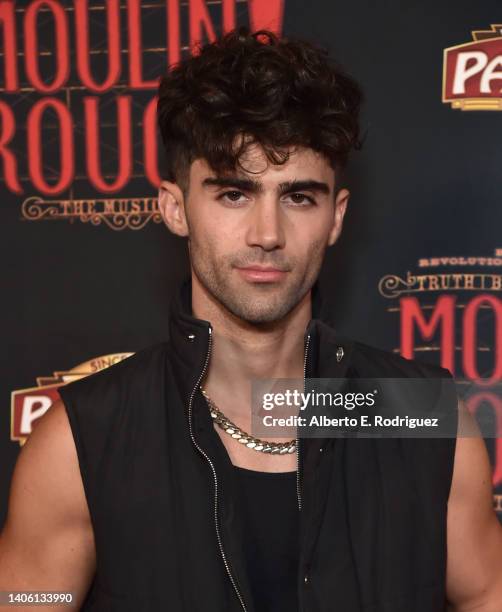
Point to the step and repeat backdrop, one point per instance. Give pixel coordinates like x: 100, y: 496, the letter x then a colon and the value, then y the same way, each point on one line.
x: 88, y: 266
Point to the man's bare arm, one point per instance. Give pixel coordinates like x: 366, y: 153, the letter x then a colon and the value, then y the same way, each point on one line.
x: 47, y: 542
x: 474, y: 567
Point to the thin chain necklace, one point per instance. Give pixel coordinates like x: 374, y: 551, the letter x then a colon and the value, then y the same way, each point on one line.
x: 274, y: 448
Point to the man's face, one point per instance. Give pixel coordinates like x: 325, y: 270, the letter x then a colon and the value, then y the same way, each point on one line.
x: 257, y: 236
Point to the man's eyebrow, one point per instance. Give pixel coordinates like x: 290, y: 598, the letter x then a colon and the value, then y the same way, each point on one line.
x: 233, y: 181
x: 253, y: 186
x: 304, y: 185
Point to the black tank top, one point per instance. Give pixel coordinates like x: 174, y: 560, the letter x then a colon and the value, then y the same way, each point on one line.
x: 270, y: 537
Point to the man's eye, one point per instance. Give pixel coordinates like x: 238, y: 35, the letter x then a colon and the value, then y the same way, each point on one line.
x: 231, y: 196
x: 300, y: 199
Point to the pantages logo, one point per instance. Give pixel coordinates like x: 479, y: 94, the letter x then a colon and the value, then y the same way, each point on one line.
x: 28, y: 405
x: 472, y: 72
x: 451, y: 307
x: 78, y: 83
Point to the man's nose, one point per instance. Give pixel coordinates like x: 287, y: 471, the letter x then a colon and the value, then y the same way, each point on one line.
x: 265, y: 227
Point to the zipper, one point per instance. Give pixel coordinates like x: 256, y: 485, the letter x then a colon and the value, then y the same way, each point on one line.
x: 220, y: 543
x: 298, y: 494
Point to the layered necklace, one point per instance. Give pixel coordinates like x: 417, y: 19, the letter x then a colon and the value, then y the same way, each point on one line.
x: 262, y: 446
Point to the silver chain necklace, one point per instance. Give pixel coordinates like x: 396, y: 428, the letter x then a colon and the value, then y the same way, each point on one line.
x: 274, y: 448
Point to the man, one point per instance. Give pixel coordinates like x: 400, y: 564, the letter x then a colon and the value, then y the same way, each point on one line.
x: 131, y: 496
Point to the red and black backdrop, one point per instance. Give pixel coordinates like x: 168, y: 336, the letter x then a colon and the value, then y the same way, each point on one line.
x: 88, y: 267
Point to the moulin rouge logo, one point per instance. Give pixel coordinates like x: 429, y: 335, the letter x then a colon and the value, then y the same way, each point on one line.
x: 451, y: 307
x: 78, y: 103
x: 472, y: 72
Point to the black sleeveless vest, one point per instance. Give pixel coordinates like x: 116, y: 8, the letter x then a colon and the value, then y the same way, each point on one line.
x: 161, y: 488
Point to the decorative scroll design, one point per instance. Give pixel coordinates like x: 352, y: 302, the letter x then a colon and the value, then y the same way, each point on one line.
x: 116, y: 213
x: 391, y: 285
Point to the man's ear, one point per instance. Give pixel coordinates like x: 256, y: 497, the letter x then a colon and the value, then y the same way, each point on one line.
x: 172, y: 208
x: 341, y: 201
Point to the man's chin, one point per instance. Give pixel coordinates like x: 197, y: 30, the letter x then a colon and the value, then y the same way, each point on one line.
x: 260, y: 318
x: 265, y: 310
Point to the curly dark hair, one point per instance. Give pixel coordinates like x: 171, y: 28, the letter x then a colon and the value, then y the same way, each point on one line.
x: 277, y: 92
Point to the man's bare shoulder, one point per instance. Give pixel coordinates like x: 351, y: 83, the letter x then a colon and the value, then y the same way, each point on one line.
x: 47, y: 464
x: 47, y: 541
x: 474, y: 572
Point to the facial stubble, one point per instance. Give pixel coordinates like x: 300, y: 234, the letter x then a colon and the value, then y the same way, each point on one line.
x: 254, y: 303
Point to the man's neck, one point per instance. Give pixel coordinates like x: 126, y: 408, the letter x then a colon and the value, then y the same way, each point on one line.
x: 242, y: 351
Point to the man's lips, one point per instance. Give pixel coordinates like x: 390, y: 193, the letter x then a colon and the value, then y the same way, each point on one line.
x: 262, y: 273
